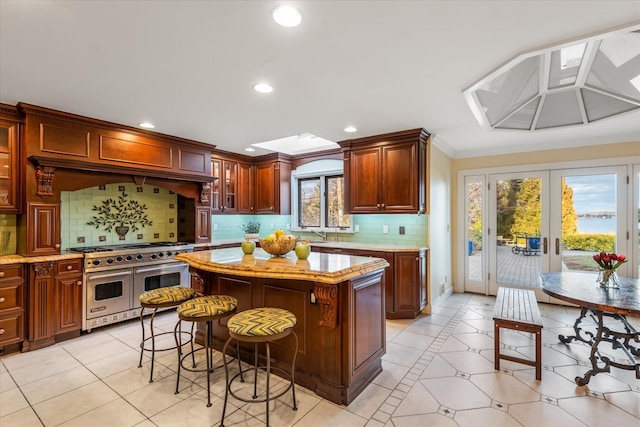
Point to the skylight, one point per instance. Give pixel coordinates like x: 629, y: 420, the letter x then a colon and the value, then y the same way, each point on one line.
x: 574, y: 83
x: 297, y: 144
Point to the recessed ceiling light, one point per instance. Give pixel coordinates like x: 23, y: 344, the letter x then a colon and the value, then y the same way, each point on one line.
x: 249, y: 149
x: 286, y: 16
x: 350, y: 129
x: 146, y: 125
x: 263, y: 88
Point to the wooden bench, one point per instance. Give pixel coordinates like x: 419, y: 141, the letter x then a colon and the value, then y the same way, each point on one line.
x: 518, y: 309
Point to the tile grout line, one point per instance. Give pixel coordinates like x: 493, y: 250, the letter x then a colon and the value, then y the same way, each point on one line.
x: 400, y: 391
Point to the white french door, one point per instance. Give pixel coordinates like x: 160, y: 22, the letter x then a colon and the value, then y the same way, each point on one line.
x: 521, y: 224
x: 518, y: 230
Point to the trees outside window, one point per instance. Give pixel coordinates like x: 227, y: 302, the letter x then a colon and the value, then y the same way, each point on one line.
x: 321, y: 202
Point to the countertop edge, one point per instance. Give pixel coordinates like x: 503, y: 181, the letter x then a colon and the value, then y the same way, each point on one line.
x: 19, y: 259
x: 330, y: 244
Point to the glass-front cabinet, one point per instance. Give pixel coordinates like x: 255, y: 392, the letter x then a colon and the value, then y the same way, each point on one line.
x: 9, y: 200
x: 224, y: 189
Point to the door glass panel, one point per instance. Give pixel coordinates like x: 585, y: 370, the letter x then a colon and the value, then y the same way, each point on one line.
x: 588, y: 219
x: 518, y: 226
x: 474, y: 230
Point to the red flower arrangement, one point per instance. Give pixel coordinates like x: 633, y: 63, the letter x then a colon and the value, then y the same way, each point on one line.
x: 609, y: 261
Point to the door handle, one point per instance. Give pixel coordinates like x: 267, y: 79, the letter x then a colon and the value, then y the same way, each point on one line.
x: 557, y: 246
x: 544, y: 245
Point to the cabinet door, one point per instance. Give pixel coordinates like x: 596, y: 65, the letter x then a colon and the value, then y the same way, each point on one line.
x: 216, y: 168
x: 9, y: 190
x: 43, y: 229
x: 203, y: 224
x: 364, y: 180
x: 424, y: 280
x: 41, y: 306
x: 230, y: 187
x: 388, y: 275
x: 245, y: 188
x: 68, y: 303
x: 399, y: 178
x: 406, y: 294
x: 265, y: 188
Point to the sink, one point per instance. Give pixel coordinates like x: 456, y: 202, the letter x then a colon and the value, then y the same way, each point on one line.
x: 319, y: 242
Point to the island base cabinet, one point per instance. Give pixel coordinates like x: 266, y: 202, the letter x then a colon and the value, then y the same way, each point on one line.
x: 336, y: 361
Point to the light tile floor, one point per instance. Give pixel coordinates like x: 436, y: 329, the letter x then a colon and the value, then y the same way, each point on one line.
x: 438, y: 371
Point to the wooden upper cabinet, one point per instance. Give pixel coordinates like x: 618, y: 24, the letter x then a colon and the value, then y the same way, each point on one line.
x: 43, y: 229
x: 246, y: 185
x: 273, y: 187
x: 224, y: 191
x: 9, y: 161
x: 386, y: 173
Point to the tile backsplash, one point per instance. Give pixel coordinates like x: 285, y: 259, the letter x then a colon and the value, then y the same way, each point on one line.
x: 76, y: 209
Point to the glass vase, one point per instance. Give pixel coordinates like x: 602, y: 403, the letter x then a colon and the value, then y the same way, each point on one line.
x: 608, y: 278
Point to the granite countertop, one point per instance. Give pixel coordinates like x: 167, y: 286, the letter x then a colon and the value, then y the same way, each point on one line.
x: 386, y: 247
x: 323, y: 268
x: 19, y: 259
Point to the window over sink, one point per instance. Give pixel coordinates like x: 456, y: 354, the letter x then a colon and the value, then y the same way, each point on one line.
x: 318, y: 198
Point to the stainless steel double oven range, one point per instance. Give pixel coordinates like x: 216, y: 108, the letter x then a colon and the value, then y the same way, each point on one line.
x: 115, y: 277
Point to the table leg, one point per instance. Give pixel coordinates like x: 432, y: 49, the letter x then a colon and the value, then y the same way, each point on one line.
x: 595, y: 369
x: 578, y: 331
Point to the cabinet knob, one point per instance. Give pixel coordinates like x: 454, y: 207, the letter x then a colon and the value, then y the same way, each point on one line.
x: 270, y: 208
x: 378, y: 205
x: 2, y: 331
x: 69, y: 267
x: 79, y: 283
x: 1, y: 273
x: 2, y: 299
x: 57, y: 246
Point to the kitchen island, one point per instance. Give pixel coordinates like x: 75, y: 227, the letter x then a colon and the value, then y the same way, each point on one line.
x: 338, y: 301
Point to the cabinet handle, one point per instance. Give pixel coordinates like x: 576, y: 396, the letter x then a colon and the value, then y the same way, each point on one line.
x: 1, y: 273
x: 383, y: 206
x: 2, y: 299
x: 2, y: 331
x: 69, y: 267
x: 378, y: 205
x: 57, y: 246
x: 79, y: 283
x: 270, y: 208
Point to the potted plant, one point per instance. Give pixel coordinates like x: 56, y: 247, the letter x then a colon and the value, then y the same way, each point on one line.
x: 251, y: 230
x: 120, y: 213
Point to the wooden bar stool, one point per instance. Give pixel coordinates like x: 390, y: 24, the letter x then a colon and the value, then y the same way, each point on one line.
x: 260, y: 325
x: 202, y: 309
x: 154, y: 300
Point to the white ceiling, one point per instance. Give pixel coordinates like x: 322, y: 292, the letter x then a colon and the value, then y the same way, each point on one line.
x: 382, y: 66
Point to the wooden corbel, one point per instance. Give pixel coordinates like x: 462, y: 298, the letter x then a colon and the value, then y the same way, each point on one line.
x: 205, y: 191
x: 44, y: 178
x: 327, y: 296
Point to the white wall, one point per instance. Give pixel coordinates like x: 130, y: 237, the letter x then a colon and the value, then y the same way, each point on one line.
x: 440, y: 243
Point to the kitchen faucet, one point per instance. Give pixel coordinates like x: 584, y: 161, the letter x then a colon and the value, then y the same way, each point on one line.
x: 322, y: 234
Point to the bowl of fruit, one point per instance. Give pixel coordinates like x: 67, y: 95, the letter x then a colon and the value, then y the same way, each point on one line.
x: 278, y: 243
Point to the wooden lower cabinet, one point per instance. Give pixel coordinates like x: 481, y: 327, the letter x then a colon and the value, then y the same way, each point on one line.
x: 12, y: 305
x: 405, y: 280
x: 55, y: 302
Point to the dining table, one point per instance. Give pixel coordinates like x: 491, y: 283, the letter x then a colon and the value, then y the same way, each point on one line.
x: 608, y: 309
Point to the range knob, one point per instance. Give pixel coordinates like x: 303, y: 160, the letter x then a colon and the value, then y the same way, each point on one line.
x: 110, y: 261
x: 154, y: 256
x: 96, y: 262
x: 169, y: 253
x: 161, y: 254
x: 139, y: 256
x: 119, y: 259
x: 128, y: 258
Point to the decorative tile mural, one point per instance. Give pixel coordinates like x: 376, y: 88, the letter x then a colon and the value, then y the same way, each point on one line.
x: 77, y: 211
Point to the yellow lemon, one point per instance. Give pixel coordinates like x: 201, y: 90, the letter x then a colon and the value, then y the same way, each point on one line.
x: 279, y: 233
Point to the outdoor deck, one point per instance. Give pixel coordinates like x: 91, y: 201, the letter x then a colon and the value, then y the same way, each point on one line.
x: 513, y: 269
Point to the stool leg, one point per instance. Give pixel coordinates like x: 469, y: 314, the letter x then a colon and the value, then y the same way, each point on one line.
x: 193, y: 356
x: 141, y: 342
x: 153, y: 344
x: 207, y: 346
x: 255, y: 372
x: 177, y: 333
x: 226, y: 376
x: 239, y: 363
x: 293, y: 372
x: 268, y: 351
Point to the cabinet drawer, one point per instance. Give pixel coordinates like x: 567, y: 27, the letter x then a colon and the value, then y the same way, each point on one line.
x: 11, y: 296
x: 10, y: 271
x: 69, y: 266
x: 11, y: 329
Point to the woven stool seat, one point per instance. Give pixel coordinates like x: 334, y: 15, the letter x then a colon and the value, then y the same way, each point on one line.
x: 166, y: 296
x: 261, y: 322
x: 160, y: 298
x: 201, y: 308
x: 205, y: 309
x: 261, y: 326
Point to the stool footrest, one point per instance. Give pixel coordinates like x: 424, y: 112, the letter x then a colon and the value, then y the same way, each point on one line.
x: 287, y: 377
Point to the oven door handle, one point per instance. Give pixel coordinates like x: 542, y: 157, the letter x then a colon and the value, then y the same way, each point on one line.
x: 163, y: 267
x: 107, y: 275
